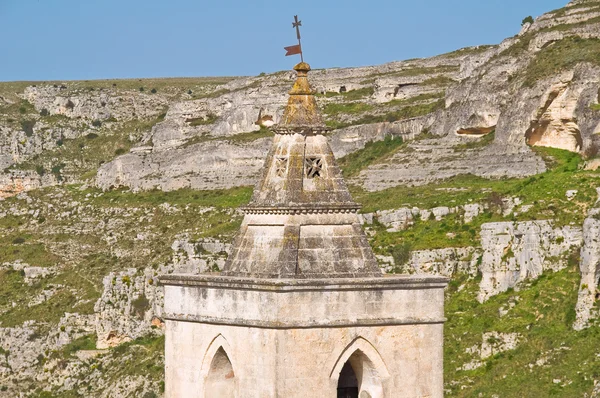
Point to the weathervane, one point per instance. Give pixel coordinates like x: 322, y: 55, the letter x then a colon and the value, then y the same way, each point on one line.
x: 297, y: 49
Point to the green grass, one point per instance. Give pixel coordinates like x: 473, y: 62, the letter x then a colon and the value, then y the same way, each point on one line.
x: 595, y: 107
x: 562, y: 55
x: 542, y: 315
x: 83, y: 343
x: 479, y: 143
x: 439, y: 81
x: 202, y: 121
x: 403, y: 113
x: 546, y: 191
x: 140, y: 353
x: 430, y: 234
x: 335, y: 109
x: 469, y: 51
x: 80, y: 158
x: 250, y: 136
x: 221, y: 198
x: 27, y: 248
x: 375, y: 151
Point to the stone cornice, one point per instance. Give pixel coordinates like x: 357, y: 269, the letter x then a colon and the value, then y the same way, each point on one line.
x: 316, y: 209
x: 303, y: 325
x: 300, y: 129
x: 400, y: 282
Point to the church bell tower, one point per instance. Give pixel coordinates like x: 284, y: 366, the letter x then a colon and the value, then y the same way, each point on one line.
x: 301, y: 308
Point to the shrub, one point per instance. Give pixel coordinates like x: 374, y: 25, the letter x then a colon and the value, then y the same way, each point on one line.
x: 526, y: 20
x: 120, y: 151
x: 140, y: 305
x: 495, y: 202
x: 18, y: 240
x: 401, y: 253
x: 27, y: 126
x: 96, y: 123
x: 153, y: 91
x: 70, y: 104
x: 141, y: 89
x: 40, y: 170
x: 60, y: 142
x: 190, y: 92
x: 91, y: 136
x: 44, y: 112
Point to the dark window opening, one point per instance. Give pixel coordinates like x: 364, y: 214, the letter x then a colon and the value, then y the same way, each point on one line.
x: 347, y: 383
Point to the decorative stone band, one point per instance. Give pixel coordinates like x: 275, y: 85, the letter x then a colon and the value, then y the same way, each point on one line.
x: 306, y: 303
x: 353, y: 208
x: 299, y: 129
x: 403, y: 282
x: 302, y: 325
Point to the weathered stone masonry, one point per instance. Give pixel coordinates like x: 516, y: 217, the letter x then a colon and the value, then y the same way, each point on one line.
x: 301, y: 308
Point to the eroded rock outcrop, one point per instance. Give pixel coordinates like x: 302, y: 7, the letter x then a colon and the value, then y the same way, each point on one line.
x: 589, y: 267
x: 132, y: 302
x: 516, y: 251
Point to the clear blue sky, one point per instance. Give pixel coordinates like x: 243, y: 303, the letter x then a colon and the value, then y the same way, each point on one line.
x: 94, y: 39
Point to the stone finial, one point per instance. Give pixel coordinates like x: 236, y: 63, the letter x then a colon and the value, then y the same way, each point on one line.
x: 301, y: 109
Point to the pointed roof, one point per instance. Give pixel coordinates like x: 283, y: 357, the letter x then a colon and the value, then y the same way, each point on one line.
x: 301, y: 221
x: 292, y: 186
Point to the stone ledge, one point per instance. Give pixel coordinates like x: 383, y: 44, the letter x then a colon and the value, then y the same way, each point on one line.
x: 316, y: 209
x: 325, y: 324
x: 403, y: 282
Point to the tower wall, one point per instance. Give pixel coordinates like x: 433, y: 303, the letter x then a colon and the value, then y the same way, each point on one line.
x: 291, y: 338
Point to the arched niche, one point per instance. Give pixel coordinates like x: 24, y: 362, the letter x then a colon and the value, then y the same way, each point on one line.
x: 218, y: 371
x: 359, y: 371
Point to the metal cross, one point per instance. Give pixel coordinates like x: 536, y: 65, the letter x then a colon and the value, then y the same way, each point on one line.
x: 296, y: 24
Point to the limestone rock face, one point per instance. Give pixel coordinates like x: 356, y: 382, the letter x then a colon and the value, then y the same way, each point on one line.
x: 94, y: 105
x: 207, y: 165
x: 556, y: 126
x: 590, y: 270
x: 420, y: 165
x: 124, y: 311
x: 516, y: 251
x: 445, y: 262
x: 131, y: 305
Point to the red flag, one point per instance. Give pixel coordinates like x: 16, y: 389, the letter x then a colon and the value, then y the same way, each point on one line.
x: 293, y: 50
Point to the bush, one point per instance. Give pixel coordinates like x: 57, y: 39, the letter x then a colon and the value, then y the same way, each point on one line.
x: 27, y: 126
x: 190, y: 92
x: 120, y: 151
x: 401, y: 253
x: 140, y: 305
x: 526, y: 20
x: 44, y: 112
x: 96, y: 123
x: 141, y: 89
x: 18, y: 241
x: 91, y: 136
x: 153, y: 91
x: 40, y: 170
x: 70, y: 105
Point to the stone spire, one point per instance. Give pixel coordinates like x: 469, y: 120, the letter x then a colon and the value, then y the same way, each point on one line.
x: 301, y: 221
